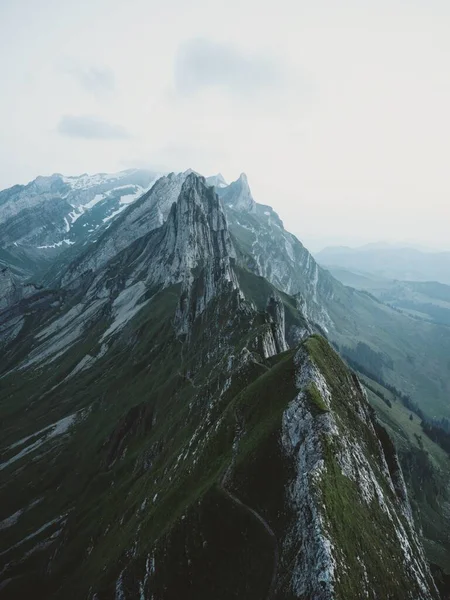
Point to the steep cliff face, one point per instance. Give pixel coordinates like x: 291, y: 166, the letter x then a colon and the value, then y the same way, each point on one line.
x: 265, y: 247
x: 172, y: 430
x: 145, y: 215
x: 347, y: 491
x: 237, y: 195
x: 12, y: 290
x: 9, y: 293
x: 193, y: 240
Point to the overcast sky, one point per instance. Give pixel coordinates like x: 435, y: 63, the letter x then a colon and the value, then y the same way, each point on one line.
x: 339, y: 112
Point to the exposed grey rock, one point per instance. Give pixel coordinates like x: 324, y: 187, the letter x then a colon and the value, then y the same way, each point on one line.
x: 275, y: 309
x: 44, y: 219
x: 275, y: 253
x: 175, y: 239
x: 238, y: 195
x: 43, y: 213
x: 217, y: 181
x: 319, y: 562
x: 12, y: 290
x: 192, y: 245
x: 145, y: 215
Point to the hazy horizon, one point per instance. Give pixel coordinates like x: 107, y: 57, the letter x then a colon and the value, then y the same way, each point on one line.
x: 338, y: 114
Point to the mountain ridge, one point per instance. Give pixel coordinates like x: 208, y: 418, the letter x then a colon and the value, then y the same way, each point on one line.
x: 166, y: 372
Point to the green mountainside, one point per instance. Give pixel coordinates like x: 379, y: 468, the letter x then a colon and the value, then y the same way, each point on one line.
x: 175, y: 426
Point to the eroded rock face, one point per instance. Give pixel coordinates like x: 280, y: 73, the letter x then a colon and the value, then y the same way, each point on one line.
x: 196, y: 229
x: 143, y: 216
x: 272, y: 252
x: 238, y: 195
x: 197, y: 237
x: 12, y: 290
x: 348, y: 493
x: 275, y: 309
x: 8, y: 289
x: 192, y: 245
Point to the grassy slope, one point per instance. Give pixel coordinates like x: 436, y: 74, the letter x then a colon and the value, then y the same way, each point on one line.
x: 419, y: 351
x: 358, y: 530
x: 426, y: 467
x: 129, y: 478
x: 262, y: 470
x: 133, y: 443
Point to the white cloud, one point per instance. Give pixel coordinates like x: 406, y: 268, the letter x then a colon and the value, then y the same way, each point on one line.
x: 202, y: 63
x: 337, y: 111
x: 90, y: 128
x: 96, y: 80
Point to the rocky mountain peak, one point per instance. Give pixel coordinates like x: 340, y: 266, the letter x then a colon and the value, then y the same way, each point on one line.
x: 238, y: 195
x: 217, y: 181
x: 47, y: 184
x: 196, y: 228
x: 197, y: 237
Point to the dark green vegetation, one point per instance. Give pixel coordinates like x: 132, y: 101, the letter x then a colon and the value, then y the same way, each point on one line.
x: 178, y: 433
x: 437, y: 434
x: 138, y: 458
x: 136, y: 484
x: 426, y: 468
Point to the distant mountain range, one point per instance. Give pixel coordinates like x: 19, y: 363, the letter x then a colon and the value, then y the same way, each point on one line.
x: 391, y: 262
x: 40, y: 220
x: 427, y: 300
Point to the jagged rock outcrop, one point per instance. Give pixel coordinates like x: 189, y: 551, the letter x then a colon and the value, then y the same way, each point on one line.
x: 196, y: 230
x: 275, y: 309
x: 196, y: 236
x: 238, y: 195
x: 345, y: 315
x: 193, y: 246
x: 143, y: 216
x: 9, y: 292
x: 12, y: 290
x: 347, y: 489
x: 267, y: 249
x: 217, y: 181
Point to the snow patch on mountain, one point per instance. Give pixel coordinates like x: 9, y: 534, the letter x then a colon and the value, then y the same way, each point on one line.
x: 58, y: 244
